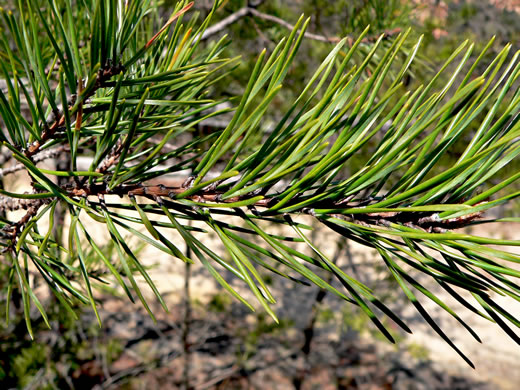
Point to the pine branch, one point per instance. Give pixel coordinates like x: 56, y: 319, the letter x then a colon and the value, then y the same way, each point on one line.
x: 398, y: 199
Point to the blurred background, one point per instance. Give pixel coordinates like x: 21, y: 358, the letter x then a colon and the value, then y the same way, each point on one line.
x: 209, y: 341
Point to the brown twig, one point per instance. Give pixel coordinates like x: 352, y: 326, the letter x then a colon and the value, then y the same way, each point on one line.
x: 158, y: 191
x: 47, y: 134
x: 429, y: 222
x: 421, y: 220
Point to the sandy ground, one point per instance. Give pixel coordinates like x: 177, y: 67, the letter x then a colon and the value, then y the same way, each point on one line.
x: 497, y: 359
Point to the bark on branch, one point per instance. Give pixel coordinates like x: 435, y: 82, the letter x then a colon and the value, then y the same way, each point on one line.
x: 425, y: 221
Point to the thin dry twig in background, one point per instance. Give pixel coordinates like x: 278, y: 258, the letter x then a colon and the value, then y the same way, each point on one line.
x: 43, y: 155
x: 246, y: 11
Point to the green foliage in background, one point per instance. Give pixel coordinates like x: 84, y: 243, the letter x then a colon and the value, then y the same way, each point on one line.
x: 330, y: 20
x: 107, y: 82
